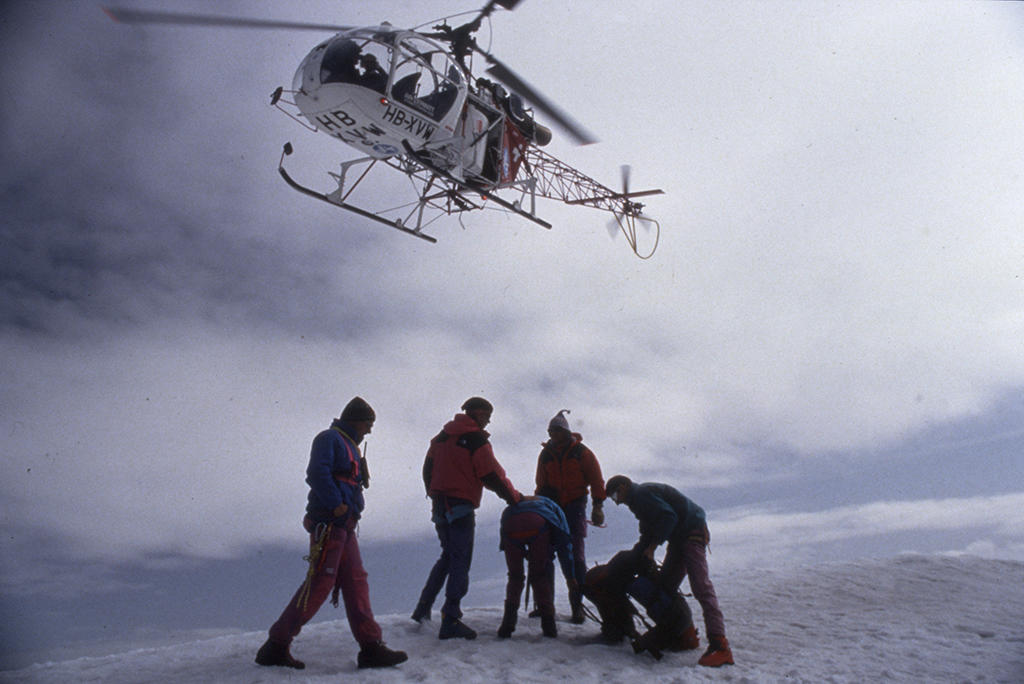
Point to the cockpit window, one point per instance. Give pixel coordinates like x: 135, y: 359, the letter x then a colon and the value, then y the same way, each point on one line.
x: 365, y: 63
x: 339, y: 62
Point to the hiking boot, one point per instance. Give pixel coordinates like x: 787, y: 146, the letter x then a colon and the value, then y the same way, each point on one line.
x: 547, y: 625
x: 273, y: 653
x: 453, y: 628
x: 421, y: 613
x: 649, y: 641
x: 535, y: 613
x: 379, y: 655
x: 687, y: 641
x: 718, y: 653
x: 577, y: 614
x: 508, y: 622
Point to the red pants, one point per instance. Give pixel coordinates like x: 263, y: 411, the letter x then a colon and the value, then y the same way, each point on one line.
x: 689, y: 557
x: 529, y: 530
x: 341, y: 566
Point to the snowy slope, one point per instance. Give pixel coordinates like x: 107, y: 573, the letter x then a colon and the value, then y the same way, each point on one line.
x: 910, y: 618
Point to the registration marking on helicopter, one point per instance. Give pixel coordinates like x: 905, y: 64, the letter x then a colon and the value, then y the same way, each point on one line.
x: 347, y: 128
x: 421, y: 128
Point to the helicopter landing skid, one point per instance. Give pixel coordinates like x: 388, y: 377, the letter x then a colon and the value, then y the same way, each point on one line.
x: 397, y: 225
x: 466, y: 187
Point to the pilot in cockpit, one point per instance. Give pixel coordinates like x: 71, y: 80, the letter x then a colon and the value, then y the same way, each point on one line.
x: 374, y: 76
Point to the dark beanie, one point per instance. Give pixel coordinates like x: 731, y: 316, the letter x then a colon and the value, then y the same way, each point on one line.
x: 357, y: 410
x: 476, y: 404
x: 616, y: 482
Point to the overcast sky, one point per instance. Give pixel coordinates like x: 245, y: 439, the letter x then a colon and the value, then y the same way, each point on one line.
x: 828, y: 344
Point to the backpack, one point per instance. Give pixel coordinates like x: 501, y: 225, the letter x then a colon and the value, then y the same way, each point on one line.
x: 613, y: 587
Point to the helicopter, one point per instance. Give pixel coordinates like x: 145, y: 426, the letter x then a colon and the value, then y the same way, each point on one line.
x: 407, y: 100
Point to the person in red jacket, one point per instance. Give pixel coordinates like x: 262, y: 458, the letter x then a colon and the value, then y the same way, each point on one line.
x: 566, y: 468
x: 459, y: 464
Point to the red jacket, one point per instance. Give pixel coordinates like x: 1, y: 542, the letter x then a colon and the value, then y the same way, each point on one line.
x: 565, y: 474
x: 460, y: 463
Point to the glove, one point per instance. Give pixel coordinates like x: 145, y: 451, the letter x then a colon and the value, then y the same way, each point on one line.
x: 597, y: 515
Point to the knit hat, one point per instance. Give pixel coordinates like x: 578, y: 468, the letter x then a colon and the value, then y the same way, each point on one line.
x: 358, y: 410
x: 560, y: 421
x: 477, y: 404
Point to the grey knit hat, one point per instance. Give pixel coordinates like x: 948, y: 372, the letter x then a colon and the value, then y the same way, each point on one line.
x: 560, y: 421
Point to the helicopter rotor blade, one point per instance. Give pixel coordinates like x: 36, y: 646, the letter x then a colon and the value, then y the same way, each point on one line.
x: 501, y: 72
x: 133, y: 16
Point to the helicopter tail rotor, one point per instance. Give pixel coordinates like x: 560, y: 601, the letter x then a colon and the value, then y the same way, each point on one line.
x: 630, y: 213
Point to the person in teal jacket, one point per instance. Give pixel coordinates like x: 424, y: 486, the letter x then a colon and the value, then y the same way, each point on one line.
x: 666, y: 515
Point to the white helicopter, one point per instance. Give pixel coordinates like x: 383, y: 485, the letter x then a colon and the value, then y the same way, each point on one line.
x: 408, y: 100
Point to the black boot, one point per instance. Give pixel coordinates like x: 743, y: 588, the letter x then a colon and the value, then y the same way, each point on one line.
x: 454, y: 628
x: 576, y: 601
x: 379, y: 655
x: 273, y: 653
x: 547, y: 625
x: 421, y: 613
x: 508, y: 621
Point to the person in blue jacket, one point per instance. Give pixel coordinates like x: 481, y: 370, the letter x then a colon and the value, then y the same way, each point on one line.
x: 535, y: 529
x: 666, y: 515
x: 336, y: 476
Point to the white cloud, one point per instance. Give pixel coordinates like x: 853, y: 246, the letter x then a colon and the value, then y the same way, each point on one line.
x: 755, y: 535
x: 839, y: 269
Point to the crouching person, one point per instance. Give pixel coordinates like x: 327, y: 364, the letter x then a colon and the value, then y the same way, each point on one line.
x: 535, y: 529
x: 609, y: 587
x: 336, y: 476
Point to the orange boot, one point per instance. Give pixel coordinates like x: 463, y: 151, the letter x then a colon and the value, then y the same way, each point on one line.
x: 718, y: 653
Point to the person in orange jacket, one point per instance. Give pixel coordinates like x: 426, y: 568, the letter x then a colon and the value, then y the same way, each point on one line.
x: 458, y: 465
x: 566, y: 469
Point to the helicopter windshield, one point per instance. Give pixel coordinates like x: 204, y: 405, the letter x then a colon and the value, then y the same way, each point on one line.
x: 365, y: 63
x: 425, y: 77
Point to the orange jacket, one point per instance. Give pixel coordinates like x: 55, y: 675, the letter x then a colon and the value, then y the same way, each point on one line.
x: 565, y: 474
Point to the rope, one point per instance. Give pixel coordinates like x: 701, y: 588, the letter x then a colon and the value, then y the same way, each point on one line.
x: 591, y: 614
x: 316, y: 560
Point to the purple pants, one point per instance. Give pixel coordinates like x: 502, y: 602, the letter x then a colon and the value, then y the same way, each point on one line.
x: 688, y: 556
x: 341, y: 566
x: 526, y: 536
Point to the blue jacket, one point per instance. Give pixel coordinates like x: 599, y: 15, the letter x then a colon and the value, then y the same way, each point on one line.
x: 664, y: 513
x: 333, y: 475
x: 558, y: 526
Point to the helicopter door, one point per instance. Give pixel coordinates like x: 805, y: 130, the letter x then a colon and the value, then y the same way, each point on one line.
x: 426, y: 80
x: 482, y: 138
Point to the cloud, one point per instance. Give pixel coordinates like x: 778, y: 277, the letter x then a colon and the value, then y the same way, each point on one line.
x: 989, y: 524
x: 838, y: 270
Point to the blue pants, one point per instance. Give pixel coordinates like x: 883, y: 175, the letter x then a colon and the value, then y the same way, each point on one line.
x: 576, y: 516
x: 456, y: 537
